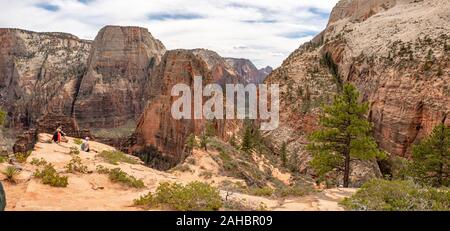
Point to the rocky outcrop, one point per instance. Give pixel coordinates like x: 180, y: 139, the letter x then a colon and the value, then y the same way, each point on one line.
x: 49, y: 80
x: 158, y: 135
x: 222, y: 72
x: 26, y: 141
x: 395, y: 52
x: 359, y: 10
x: 39, y: 73
x: 399, y: 60
x: 160, y: 139
x: 112, y: 90
x: 247, y: 70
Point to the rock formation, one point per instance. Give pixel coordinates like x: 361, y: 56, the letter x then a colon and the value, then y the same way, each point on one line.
x: 403, y: 71
x: 158, y: 135
x: 395, y: 52
x: 39, y: 74
x: 111, y: 92
x: 157, y: 130
x: 222, y: 72
x: 247, y: 70
x: 53, y: 79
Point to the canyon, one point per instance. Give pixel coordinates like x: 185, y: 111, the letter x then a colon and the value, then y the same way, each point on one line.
x: 396, y: 52
x: 95, y: 88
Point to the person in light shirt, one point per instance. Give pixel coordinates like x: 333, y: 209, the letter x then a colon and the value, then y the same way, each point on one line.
x: 85, y: 145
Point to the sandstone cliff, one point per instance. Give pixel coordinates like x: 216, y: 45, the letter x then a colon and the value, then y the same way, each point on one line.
x: 111, y: 92
x: 39, y: 74
x: 395, y: 52
x: 53, y: 79
x: 157, y: 130
x: 248, y: 71
x: 159, y: 138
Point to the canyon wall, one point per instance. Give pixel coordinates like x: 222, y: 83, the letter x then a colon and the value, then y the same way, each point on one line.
x: 111, y: 92
x: 395, y: 52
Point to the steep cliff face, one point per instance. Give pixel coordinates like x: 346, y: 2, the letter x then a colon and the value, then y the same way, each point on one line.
x: 395, y: 52
x: 359, y: 10
x: 53, y: 79
x: 221, y: 71
x: 39, y: 74
x: 399, y: 59
x: 248, y: 71
x: 157, y: 130
x: 112, y: 91
x: 160, y: 139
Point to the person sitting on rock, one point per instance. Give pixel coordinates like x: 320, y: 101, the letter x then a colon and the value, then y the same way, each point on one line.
x: 59, y: 136
x: 85, y: 145
x: 56, y: 136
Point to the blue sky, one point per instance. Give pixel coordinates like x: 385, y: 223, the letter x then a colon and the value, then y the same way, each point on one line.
x: 264, y: 31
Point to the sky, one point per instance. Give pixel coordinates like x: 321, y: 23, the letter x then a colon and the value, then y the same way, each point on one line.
x: 264, y: 31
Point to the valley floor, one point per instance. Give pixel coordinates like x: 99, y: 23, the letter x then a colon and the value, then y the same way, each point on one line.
x: 94, y: 191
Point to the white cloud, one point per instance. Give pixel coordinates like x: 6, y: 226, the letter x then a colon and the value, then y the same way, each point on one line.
x: 264, y: 31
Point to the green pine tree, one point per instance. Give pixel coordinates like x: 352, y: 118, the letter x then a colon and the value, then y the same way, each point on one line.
x: 283, y: 154
x: 247, y: 144
x: 204, y: 140
x: 191, y: 142
x: 210, y: 130
x: 2, y: 116
x: 233, y: 141
x: 431, y: 158
x: 344, y: 135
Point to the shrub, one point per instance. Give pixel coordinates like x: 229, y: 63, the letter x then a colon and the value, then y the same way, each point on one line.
x: 147, y: 200
x: 294, y: 191
x: 116, y: 175
x: 383, y: 195
x: 102, y: 170
x: 195, y: 196
x: 114, y: 157
x: 2, y: 116
x: 11, y: 173
x: 263, y: 191
x: 244, y: 205
x: 74, y: 151
x: 78, y: 141
x: 75, y: 165
x: 22, y: 157
x: 3, y: 159
x: 206, y: 175
x: 50, y: 177
x: 204, y: 141
x: 38, y: 162
x: 191, y: 142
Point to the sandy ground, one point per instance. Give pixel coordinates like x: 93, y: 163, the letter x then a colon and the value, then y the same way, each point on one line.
x: 93, y: 191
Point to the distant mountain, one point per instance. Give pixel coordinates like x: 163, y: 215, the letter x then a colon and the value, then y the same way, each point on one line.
x: 248, y: 70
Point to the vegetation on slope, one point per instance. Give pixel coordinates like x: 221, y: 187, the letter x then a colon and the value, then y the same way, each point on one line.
x: 118, y: 176
x: 384, y: 195
x: 51, y: 177
x: 344, y: 136
x: 195, y: 196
